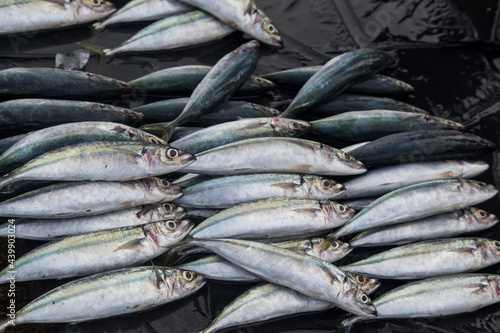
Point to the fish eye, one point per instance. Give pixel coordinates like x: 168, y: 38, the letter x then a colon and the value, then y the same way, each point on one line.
x: 346, y: 156
x: 165, y: 182
x: 271, y: 29
x: 188, y: 275
x: 153, y: 140
x: 172, y: 153
x: 294, y: 125
x: 364, y: 299
x: 335, y: 244
x: 171, y: 225
x: 341, y: 208
x: 274, y: 111
x: 168, y: 207
x: 497, y: 244
x: 96, y: 2
x: 482, y: 213
x: 259, y: 80
x: 361, y: 280
x: 326, y: 183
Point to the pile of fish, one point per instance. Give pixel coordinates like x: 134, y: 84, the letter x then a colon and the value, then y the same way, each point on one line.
x: 264, y: 204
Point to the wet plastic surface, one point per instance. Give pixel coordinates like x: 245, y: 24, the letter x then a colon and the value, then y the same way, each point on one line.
x: 447, y: 51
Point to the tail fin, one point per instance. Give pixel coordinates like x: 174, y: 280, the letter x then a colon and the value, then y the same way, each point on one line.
x: 4, y: 324
x: 100, y: 50
x: 169, y: 130
x: 99, y: 26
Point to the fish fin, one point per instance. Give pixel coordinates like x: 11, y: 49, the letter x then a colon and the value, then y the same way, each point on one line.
x: 251, y: 8
x: 99, y: 50
x: 312, y: 212
x: 145, y: 209
x: 479, y: 288
x: 169, y: 130
x: 289, y: 187
x: 131, y: 156
x: 159, y: 278
x: 303, y: 168
x: 119, y: 129
x: 131, y: 245
x: 347, y: 324
x: 98, y: 26
x: 467, y: 250
x: 59, y: 2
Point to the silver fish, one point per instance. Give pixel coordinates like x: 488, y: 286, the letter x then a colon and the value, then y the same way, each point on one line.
x: 119, y: 292
x: 430, y: 258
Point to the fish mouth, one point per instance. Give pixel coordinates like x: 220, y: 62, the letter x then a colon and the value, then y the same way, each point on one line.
x: 180, y: 212
x: 186, y: 158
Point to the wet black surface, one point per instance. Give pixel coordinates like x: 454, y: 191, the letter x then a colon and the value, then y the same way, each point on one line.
x: 447, y: 51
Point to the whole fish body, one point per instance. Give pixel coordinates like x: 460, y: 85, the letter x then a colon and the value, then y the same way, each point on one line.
x: 242, y: 15
x: 34, y: 113
x: 225, y: 192
x: 336, y: 76
x: 50, y: 138
x: 50, y: 229
x: 143, y: 10
x: 88, y: 198
x: 422, y: 146
x: 273, y: 219
x: 218, y: 135
x: 97, y: 252
x: 184, y: 79
x: 383, y: 180
x: 308, y: 275
x: 350, y: 102
x: 119, y: 292
x: 436, y: 226
x: 227, y: 76
x: 215, y: 267
x: 437, y: 297
x: 281, y: 155
x: 228, y: 111
x: 187, y: 29
x: 107, y: 161
x: 429, y: 258
x: 418, y: 201
x: 373, y: 124
x: 60, y: 84
x: 45, y: 14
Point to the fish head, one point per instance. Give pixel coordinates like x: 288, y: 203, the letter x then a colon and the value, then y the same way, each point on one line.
x: 480, y: 190
x: 261, y: 83
x: 150, y: 138
x: 490, y: 249
x: 471, y: 169
x: 290, y: 127
x: 363, y: 304
x: 479, y: 219
x: 324, y: 187
x: 172, y: 231
x: 180, y: 282
x: 443, y: 123
x: 170, y: 211
x: 160, y: 157
x: 366, y: 283
x: 345, y: 162
x: 163, y: 187
x: 264, y: 29
x: 93, y: 9
x: 337, y: 211
x: 354, y: 299
x: 331, y: 250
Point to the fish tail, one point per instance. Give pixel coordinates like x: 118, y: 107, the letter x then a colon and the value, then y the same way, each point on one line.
x: 100, y: 50
x: 347, y: 324
x: 4, y: 324
x: 98, y: 26
x: 169, y: 130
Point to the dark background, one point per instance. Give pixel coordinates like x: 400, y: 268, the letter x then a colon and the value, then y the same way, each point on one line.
x: 448, y: 50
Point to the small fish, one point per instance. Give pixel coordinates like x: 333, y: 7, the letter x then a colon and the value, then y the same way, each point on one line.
x: 131, y: 217
x: 97, y: 252
x: 284, y: 155
x: 429, y: 258
x: 45, y: 14
x: 88, y: 198
x: 242, y: 15
x: 418, y: 201
x: 187, y: 29
x: 225, y: 192
x: 107, y: 161
x: 227, y: 76
x: 119, y: 292
x: 436, y: 226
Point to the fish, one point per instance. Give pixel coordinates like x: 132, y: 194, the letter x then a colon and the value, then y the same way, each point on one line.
x: 243, y: 15
x: 308, y: 275
x: 9, y: 141
x: 88, y: 198
x: 418, y: 201
x: 274, y: 218
x: 27, y: 114
x: 437, y: 297
x: 97, y: 252
x: 107, y: 161
x: 286, y: 155
x: 268, y: 301
x: 38, y: 82
x: 50, y: 138
x: 227, y: 76
x: 422, y: 146
x: 143, y: 10
x: 383, y: 180
x: 215, y: 267
x: 45, y: 14
x: 373, y: 124
x: 41, y: 229
x: 225, y: 192
x: 184, y: 79
x: 429, y: 258
x: 182, y: 30
x: 168, y: 110
x: 350, y: 102
x: 336, y: 76
x: 465, y: 220
x: 119, y: 292
x: 228, y: 132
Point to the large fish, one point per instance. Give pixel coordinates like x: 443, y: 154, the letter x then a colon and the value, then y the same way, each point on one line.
x: 73, y: 199
x: 109, y: 294
x: 107, y: 161
x: 242, y: 15
x: 35, y: 15
x: 281, y: 155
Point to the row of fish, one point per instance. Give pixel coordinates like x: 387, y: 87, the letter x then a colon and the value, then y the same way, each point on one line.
x: 257, y: 189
